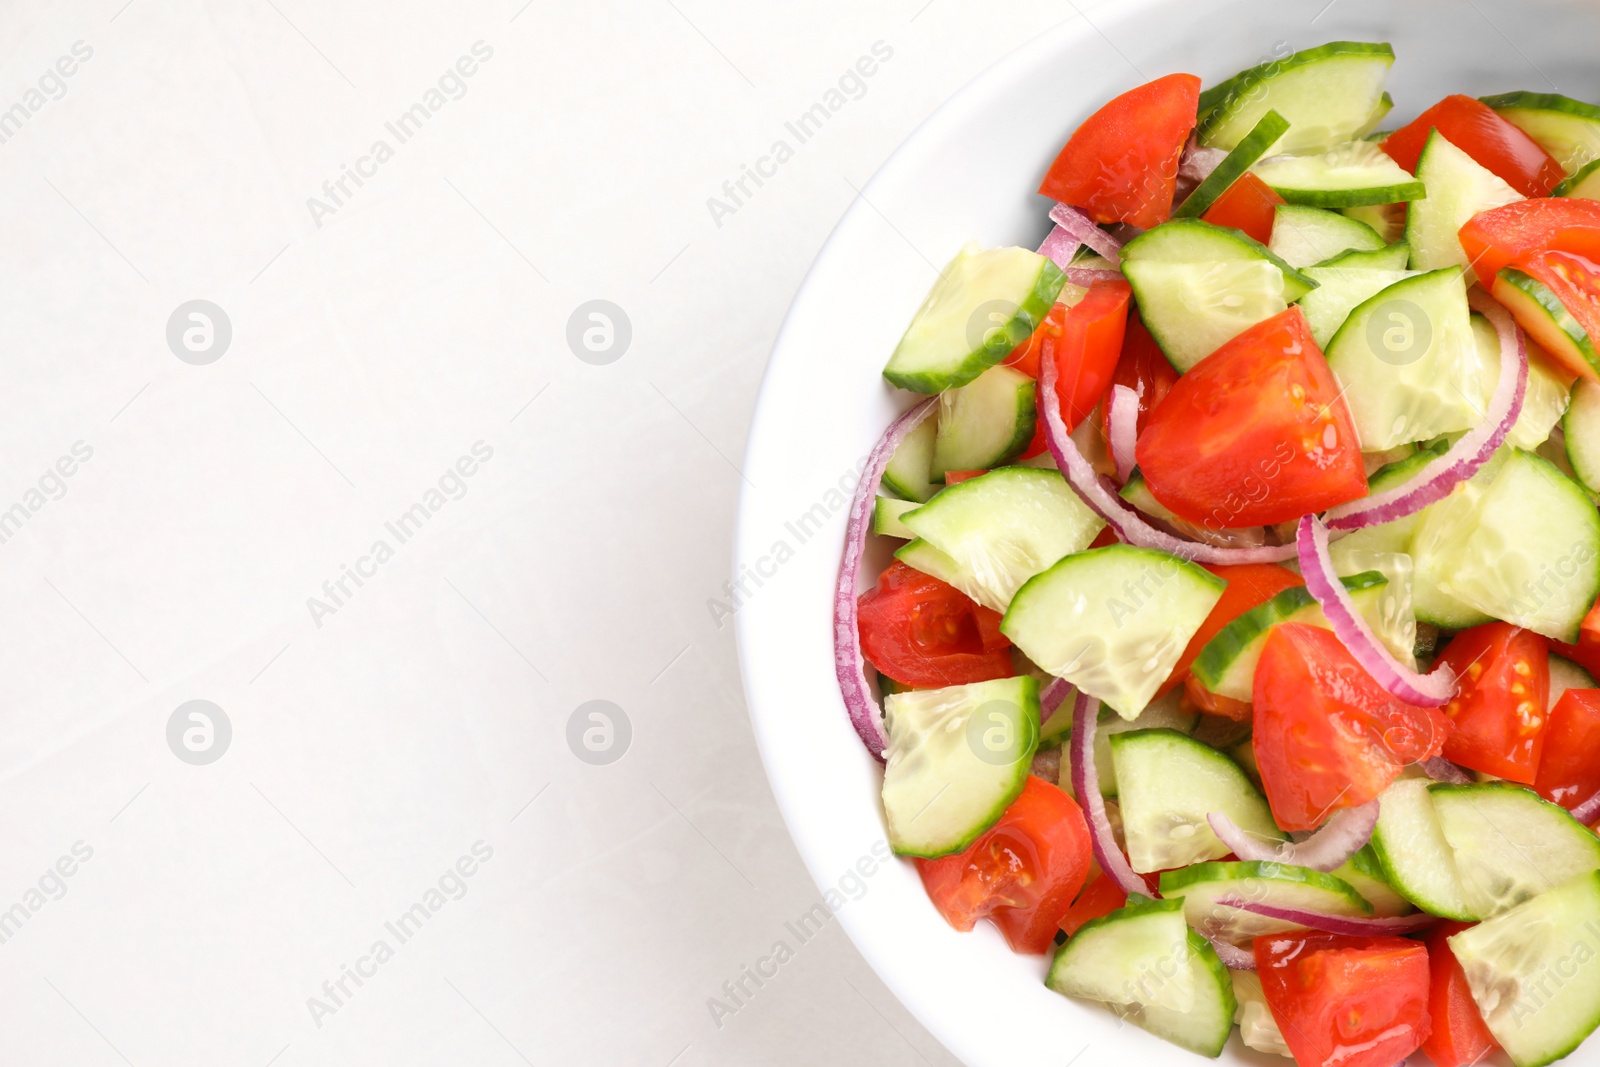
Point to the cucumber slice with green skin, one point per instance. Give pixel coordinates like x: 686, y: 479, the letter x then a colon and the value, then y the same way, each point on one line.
x: 1329, y: 94
x: 1348, y: 175
x: 1403, y: 357
x: 1437, y: 533
x: 985, y: 303
x: 1387, y: 220
x: 1379, y: 113
x: 1568, y: 129
x: 1415, y: 857
x: 1258, y: 1029
x: 1167, y: 784
x: 1136, y: 491
x: 1165, y: 713
x: 1302, y: 236
x: 1564, y: 675
x: 1390, y: 257
x: 1340, y: 290
x: 1227, y: 664
x: 1277, y: 884
x: 1510, y: 844
x: 909, y: 472
x: 929, y: 560
x: 956, y: 759
x: 1113, y: 621
x: 1365, y: 875
x: 1540, y: 311
x: 1534, y: 972
x: 1240, y: 159
x: 886, y: 512
x: 1531, y: 554
x: 1196, y: 241
x: 1544, y: 400
x: 1458, y: 188
x: 1582, y: 185
x: 984, y: 423
x: 1004, y: 527
x: 1581, y: 428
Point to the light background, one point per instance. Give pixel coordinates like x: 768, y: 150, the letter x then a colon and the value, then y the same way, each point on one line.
x: 373, y: 746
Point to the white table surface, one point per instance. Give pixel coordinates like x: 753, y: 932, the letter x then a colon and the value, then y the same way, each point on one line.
x: 378, y: 739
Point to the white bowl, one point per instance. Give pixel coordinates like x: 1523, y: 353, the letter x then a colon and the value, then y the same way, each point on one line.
x: 969, y: 173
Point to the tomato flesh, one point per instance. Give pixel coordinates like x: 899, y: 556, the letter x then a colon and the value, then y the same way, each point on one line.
x: 1086, y: 353
x: 1022, y: 874
x: 1199, y: 698
x: 1250, y: 205
x: 926, y: 634
x: 1256, y: 433
x: 1099, y: 898
x: 1122, y: 164
x: 1503, y: 236
x: 1145, y: 369
x: 1494, y: 143
x: 1326, y: 735
x: 1249, y: 585
x: 1346, y: 1001
x: 1025, y: 357
x: 1569, y: 769
x: 1459, y: 1035
x: 1498, y: 717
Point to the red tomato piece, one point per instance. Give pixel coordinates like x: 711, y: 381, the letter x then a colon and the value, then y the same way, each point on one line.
x: 1202, y: 699
x: 1502, y: 236
x: 957, y: 477
x: 1022, y: 874
x: 1249, y: 204
x: 1326, y: 735
x: 1256, y: 433
x: 1143, y: 368
x: 1569, y: 769
x: 1249, y: 585
x: 1459, y: 1035
x: 1498, y: 717
x: 1346, y: 1001
x: 1122, y: 164
x: 1086, y: 352
x: 926, y: 634
x: 1494, y: 143
x: 1099, y: 898
x: 1106, y: 536
x: 1025, y: 357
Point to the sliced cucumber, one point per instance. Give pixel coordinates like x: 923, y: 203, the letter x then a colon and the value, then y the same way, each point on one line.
x: 1544, y: 400
x: 1531, y: 555
x: 1302, y: 236
x: 984, y: 423
x: 1365, y: 875
x: 1415, y: 857
x: 886, y: 512
x: 1329, y: 94
x: 1568, y: 129
x: 1564, y: 675
x: 1136, y: 491
x: 1390, y: 257
x: 1340, y: 290
x: 1458, y: 188
x: 1437, y: 535
x: 1113, y: 621
x: 1348, y: 175
x: 1257, y: 1027
x: 1540, y: 311
x: 1125, y: 957
x: 1003, y: 527
x: 909, y: 472
x: 985, y: 303
x: 957, y: 757
x: 1388, y: 220
x: 1510, y: 845
x: 1583, y: 184
x: 1278, y: 884
x: 1581, y: 428
x: 1164, y: 713
x: 929, y: 560
x: 1240, y: 159
x: 1403, y: 357
x: 1167, y: 784
x: 1534, y: 972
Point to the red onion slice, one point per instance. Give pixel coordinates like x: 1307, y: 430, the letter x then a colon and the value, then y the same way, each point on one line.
x: 1083, y: 228
x: 1060, y: 246
x: 1126, y: 523
x: 1328, y: 849
x: 1469, y: 453
x: 1199, y: 161
x: 1442, y: 770
x: 1332, y: 924
x: 1322, y: 581
x: 1052, y: 697
x: 1588, y: 811
x: 1084, y: 277
x: 1086, y: 784
x: 1123, y: 415
x: 848, y: 663
x: 1232, y: 956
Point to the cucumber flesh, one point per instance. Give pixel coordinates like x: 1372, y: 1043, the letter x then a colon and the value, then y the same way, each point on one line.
x: 1568, y: 129
x: 1365, y: 875
x: 1340, y: 290
x: 1458, y: 188
x: 1415, y: 856
x: 1540, y: 311
x: 1198, y: 241
x: 1544, y: 400
x: 1510, y: 845
x: 1437, y: 534
x: 1388, y: 220
x: 1278, y: 884
x: 956, y: 759
x: 1134, y: 955
x: 886, y: 512
x: 1302, y: 236
x: 1113, y: 621
x: 1168, y: 783
x: 1240, y: 159
x: 985, y: 303
x: 1003, y: 527
x: 929, y: 560
x: 1390, y: 257
x: 1329, y: 94
x: 1348, y: 175
x: 1164, y: 713
x: 1258, y: 1029
x: 1564, y: 675
x: 984, y: 423
x: 1581, y: 428
x: 1583, y: 184
x: 909, y: 472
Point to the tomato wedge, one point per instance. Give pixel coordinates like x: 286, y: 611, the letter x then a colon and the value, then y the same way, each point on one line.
x: 1249, y: 204
x: 1346, y: 1001
x: 1025, y: 357
x: 1143, y: 368
x: 1197, y: 697
x: 1257, y: 433
x: 1569, y: 769
x: 926, y: 634
x: 1022, y: 874
x: 1122, y: 164
x: 1494, y: 143
x: 1498, y: 717
x: 1099, y: 898
x: 1086, y: 353
x: 1459, y: 1035
x: 1326, y: 735
x: 1503, y: 236
x: 1249, y: 585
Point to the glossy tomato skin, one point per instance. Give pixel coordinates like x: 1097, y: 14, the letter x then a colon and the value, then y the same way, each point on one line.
x: 1256, y: 433
x: 1143, y: 368
x: 1250, y: 205
x: 926, y: 634
x: 1513, y: 234
x: 1099, y: 898
x: 1022, y: 874
x: 1087, y: 351
x: 1459, y: 1035
x: 1498, y: 717
x: 1569, y: 769
x: 1494, y: 143
x: 1346, y: 1001
x: 1326, y: 735
x: 1249, y: 585
x: 1122, y: 164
